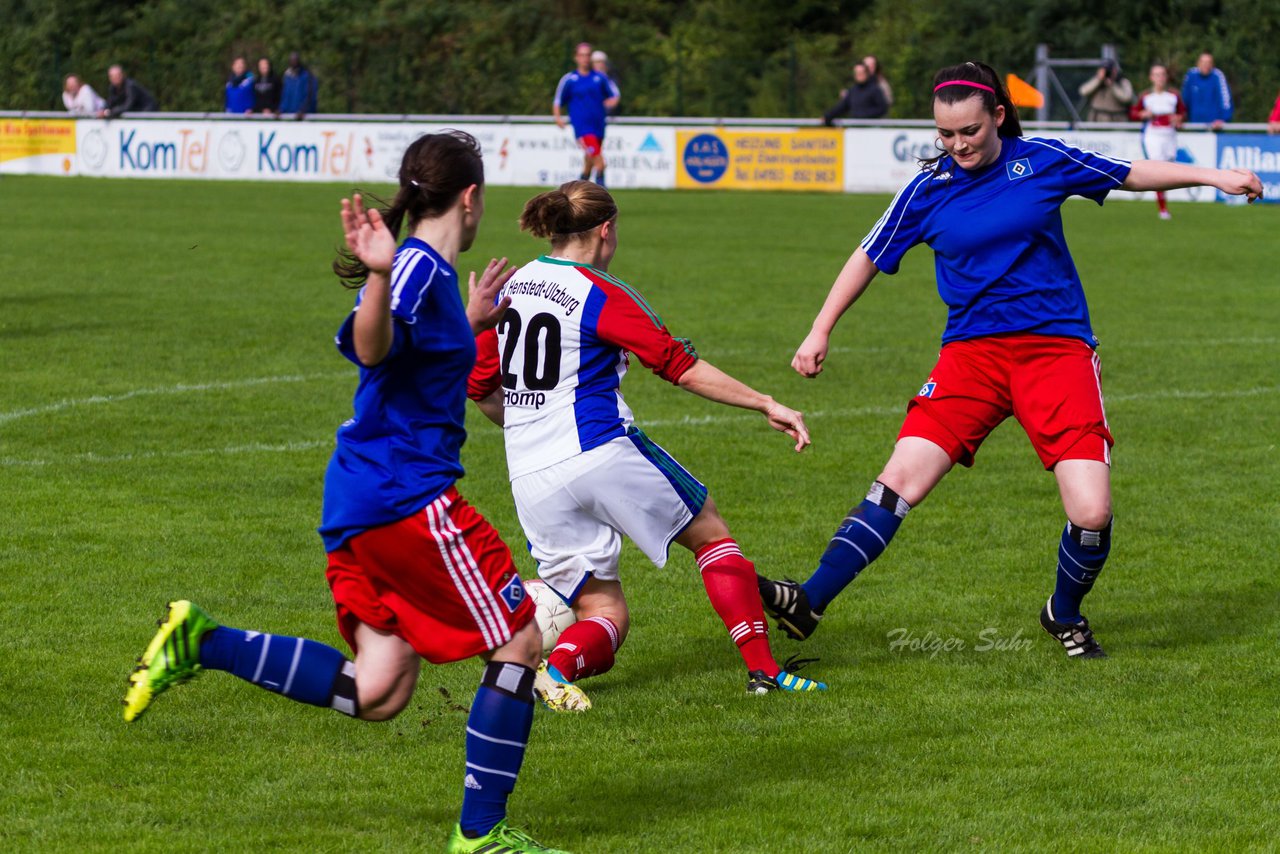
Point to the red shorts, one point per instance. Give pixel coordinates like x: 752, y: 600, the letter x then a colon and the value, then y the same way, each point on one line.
x: 441, y: 579
x: 1052, y: 385
x: 591, y: 144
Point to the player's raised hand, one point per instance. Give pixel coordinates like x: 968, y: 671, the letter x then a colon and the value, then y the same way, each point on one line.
x: 812, y: 353
x: 484, y: 309
x: 786, y: 420
x: 367, y: 235
x: 1241, y: 182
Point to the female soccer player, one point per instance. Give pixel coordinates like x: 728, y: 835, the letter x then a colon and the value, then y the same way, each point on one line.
x: 582, y: 474
x: 1163, y: 112
x: 1017, y: 342
x: 588, y: 95
x: 415, y: 571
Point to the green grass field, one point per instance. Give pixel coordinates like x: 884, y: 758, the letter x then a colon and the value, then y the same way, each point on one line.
x: 168, y: 399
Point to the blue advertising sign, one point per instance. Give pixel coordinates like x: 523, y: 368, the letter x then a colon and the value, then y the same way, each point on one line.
x: 1256, y: 152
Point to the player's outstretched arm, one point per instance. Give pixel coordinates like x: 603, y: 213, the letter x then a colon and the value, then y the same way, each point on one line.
x: 1165, y: 175
x: 706, y: 380
x: 374, y: 245
x: 853, y: 280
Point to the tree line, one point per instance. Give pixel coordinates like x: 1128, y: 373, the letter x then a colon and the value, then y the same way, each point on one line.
x: 671, y: 57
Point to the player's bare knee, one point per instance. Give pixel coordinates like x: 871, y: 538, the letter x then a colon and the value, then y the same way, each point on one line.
x: 525, y: 647
x: 1091, y: 517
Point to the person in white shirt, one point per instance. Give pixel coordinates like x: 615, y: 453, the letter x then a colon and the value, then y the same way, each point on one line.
x: 79, y: 98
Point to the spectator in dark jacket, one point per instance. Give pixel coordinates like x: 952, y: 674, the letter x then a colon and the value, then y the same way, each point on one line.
x: 266, y: 89
x: 864, y: 99
x: 124, y: 95
x: 298, y: 89
x: 239, y: 88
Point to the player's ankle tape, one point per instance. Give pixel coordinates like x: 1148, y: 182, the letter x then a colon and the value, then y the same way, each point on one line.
x: 506, y: 677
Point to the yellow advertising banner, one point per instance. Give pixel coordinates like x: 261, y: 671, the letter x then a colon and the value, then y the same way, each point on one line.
x: 24, y: 138
x: 761, y: 160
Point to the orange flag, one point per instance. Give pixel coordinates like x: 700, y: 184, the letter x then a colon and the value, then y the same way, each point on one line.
x: 1023, y: 93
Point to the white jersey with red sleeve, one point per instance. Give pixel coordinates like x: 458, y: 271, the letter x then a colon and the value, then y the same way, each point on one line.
x: 559, y: 355
x: 1159, y: 134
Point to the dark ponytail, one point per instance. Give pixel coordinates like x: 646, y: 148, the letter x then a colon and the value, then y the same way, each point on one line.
x: 436, y: 168
x: 569, y: 211
x: 982, y: 75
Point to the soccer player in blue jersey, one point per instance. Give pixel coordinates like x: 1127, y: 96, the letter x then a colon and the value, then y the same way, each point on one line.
x: 414, y: 570
x: 588, y: 95
x: 1018, y: 340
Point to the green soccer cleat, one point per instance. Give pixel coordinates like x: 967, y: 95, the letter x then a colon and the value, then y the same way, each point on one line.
x: 172, y: 657
x: 501, y: 840
x: 787, y: 680
x: 557, y: 694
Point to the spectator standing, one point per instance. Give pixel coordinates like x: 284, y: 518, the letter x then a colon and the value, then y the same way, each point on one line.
x: 864, y: 99
x: 1207, y: 94
x: 299, y: 89
x: 601, y: 65
x: 1273, y: 123
x: 125, y: 95
x: 79, y: 98
x: 239, y: 95
x: 1109, y: 94
x: 266, y: 89
x: 873, y: 67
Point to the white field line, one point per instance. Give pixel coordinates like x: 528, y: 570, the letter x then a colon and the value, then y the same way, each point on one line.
x: 686, y: 421
x: 181, y: 388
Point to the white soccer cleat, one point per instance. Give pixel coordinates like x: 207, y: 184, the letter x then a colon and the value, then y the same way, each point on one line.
x: 559, y: 696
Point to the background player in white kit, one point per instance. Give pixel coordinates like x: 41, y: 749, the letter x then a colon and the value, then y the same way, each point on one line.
x: 1163, y: 111
x: 581, y: 473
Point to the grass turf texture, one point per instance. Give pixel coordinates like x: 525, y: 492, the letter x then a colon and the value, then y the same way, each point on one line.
x: 167, y: 406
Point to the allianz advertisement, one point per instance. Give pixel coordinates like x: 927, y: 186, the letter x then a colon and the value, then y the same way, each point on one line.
x: 1257, y: 153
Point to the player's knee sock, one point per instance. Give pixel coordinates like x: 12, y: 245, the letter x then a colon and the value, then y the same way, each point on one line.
x: 300, y: 669
x: 730, y: 580
x: 600, y: 176
x: 1081, y: 555
x: 497, y: 732
x: 586, y: 648
x: 586, y: 174
x: 860, y: 539
x: 1161, y: 203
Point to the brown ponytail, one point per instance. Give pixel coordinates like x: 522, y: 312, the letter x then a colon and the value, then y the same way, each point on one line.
x: 982, y: 75
x: 568, y: 212
x: 436, y: 168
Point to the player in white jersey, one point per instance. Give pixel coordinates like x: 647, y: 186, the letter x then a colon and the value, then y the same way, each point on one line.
x: 1163, y: 112
x: 582, y: 473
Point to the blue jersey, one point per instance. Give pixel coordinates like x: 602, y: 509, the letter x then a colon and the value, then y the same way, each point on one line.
x: 584, y: 96
x: 401, y: 449
x: 1001, y: 259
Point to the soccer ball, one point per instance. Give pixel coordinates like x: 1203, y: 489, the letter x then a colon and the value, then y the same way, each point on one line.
x: 552, y: 614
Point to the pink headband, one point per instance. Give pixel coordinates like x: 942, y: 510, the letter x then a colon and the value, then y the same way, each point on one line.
x: 965, y: 83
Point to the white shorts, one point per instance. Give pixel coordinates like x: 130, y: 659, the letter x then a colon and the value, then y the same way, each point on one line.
x: 575, y: 512
x: 1160, y: 143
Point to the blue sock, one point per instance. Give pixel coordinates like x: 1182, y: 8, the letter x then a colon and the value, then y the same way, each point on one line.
x: 860, y: 539
x: 497, y: 732
x: 300, y: 669
x: 1081, y: 555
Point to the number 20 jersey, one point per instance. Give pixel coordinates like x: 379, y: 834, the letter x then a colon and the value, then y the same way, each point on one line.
x: 559, y: 355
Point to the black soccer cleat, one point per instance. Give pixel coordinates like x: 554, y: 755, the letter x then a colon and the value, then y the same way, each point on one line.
x: 1076, y: 638
x: 787, y: 603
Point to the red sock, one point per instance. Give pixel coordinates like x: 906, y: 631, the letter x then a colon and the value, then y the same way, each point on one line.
x: 730, y: 580
x: 585, y: 649
x: 1161, y: 203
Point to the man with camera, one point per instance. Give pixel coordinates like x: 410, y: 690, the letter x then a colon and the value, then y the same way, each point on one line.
x: 1108, y: 93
